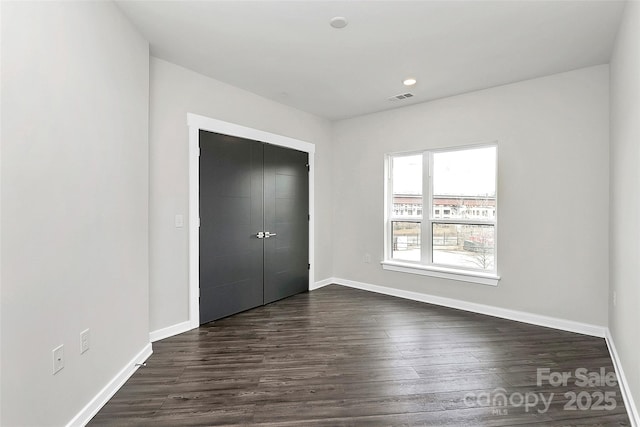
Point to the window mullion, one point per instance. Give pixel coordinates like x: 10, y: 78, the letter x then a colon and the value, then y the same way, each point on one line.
x: 427, y: 203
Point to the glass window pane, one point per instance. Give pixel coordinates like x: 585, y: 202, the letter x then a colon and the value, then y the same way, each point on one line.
x: 464, y: 183
x: 407, y: 185
x: 464, y: 245
x: 406, y: 240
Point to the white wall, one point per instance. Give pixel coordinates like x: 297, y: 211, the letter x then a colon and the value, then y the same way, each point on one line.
x: 624, y: 317
x: 175, y: 91
x: 74, y: 204
x: 552, y: 135
x: 1, y: 44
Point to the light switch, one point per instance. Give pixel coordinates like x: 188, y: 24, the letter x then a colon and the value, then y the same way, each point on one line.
x: 179, y: 221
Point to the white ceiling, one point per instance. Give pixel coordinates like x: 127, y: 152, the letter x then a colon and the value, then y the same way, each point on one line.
x: 286, y: 51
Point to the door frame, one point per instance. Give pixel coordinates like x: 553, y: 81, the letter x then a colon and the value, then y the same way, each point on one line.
x: 196, y: 123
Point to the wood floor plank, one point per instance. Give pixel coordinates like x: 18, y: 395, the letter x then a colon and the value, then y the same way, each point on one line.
x: 345, y: 357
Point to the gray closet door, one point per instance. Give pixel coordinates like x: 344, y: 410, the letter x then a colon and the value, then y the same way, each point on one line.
x: 286, y: 213
x: 231, y: 212
x: 247, y: 187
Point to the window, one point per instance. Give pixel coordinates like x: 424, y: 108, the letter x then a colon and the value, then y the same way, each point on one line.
x: 460, y: 243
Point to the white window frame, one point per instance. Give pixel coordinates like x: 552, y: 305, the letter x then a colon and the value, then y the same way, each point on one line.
x: 425, y: 266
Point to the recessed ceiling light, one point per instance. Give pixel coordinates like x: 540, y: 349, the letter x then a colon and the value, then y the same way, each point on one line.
x: 338, y: 22
x: 410, y: 81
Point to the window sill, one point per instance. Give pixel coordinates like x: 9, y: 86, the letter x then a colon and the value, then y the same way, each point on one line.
x: 445, y: 273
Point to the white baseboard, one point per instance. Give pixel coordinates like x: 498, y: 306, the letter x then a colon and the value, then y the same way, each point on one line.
x: 92, y: 408
x: 632, y: 410
x: 322, y: 283
x: 504, y: 313
x: 170, y: 331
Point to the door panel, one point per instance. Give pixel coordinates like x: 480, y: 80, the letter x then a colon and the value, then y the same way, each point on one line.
x: 286, y: 210
x: 231, y: 212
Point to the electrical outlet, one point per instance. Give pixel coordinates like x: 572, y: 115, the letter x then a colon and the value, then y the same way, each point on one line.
x: 179, y: 221
x: 84, y: 341
x: 367, y: 258
x: 615, y: 299
x: 58, y: 359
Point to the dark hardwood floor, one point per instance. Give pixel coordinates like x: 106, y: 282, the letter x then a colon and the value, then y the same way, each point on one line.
x: 344, y: 357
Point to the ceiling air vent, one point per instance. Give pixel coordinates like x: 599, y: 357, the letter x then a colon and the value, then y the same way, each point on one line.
x: 401, y: 96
